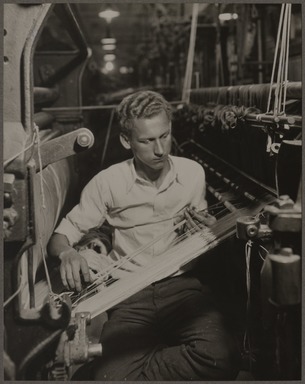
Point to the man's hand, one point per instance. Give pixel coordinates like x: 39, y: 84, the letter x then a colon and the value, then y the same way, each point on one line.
x: 72, y: 263
x: 198, y: 219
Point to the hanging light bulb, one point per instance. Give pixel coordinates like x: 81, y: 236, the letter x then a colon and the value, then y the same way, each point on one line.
x: 109, y: 57
x: 109, y: 14
x: 108, y: 40
x: 228, y: 16
x: 109, y: 47
x: 109, y: 66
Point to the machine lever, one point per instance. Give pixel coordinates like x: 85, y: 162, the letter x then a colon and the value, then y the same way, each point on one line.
x: 64, y: 146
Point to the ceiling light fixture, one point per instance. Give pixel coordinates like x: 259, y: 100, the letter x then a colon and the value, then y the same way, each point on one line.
x: 109, y: 47
x: 109, y: 57
x: 109, y: 66
x: 109, y: 14
x: 228, y: 16
x: 123, y: 70
x: 108, y: 40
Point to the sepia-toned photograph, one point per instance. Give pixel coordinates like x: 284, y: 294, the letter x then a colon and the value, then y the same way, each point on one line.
x: 152, y: 191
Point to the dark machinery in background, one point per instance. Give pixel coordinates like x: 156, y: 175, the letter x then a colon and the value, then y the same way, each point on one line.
x: 246, y: 153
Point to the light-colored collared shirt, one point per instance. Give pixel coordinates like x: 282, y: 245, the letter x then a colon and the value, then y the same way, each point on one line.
x: 138, y: 210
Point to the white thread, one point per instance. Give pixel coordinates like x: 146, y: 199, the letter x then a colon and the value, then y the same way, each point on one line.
x: 262, y: 257
x: 13, y: 295
x: 282, y: 56
x: 286, y: 56
x: 6, y: 162
x: 180, y: 249
x: 45, y: 266
x: 246, y: 340
x: 248, y: 248
x: 43, y: 207
x: 276, y: 177
x: 40, y: 166
x: 127, y: 258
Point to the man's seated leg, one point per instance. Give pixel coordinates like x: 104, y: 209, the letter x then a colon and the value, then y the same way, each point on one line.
x: 129, y: 339
x: 201, y: 346
x: 169, y: 331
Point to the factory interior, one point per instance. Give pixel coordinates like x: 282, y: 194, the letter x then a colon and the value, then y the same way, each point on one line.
x: 233, y: 76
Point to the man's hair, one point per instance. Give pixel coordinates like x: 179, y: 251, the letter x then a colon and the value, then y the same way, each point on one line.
x: 142, y: 104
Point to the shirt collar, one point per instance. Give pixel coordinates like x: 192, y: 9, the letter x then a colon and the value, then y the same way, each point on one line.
x: 171, y: 176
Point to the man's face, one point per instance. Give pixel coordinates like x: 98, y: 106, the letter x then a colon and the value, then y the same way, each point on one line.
x: 150, y: 142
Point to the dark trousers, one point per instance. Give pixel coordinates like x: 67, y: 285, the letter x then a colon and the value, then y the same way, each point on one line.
x: 171, y: 330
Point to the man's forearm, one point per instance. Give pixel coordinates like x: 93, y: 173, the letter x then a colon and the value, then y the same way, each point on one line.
x: 58, y: 243
x: 70, y: 260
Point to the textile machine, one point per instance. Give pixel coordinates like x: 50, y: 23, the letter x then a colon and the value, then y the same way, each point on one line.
x: 252, y: 161
x: 41, y: 162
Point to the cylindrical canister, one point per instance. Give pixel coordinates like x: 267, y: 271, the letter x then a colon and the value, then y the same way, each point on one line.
x: 286, y: 279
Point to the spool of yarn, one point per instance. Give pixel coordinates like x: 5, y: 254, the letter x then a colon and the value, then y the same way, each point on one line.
x: 286, y: 278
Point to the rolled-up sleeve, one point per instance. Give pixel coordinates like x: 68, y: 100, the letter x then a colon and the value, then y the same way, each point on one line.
x: 89, y: 213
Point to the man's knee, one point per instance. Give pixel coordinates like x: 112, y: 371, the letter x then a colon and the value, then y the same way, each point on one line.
x: 219, y: 361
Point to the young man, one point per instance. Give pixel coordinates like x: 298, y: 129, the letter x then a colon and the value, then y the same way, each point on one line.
x: 171, y: 329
